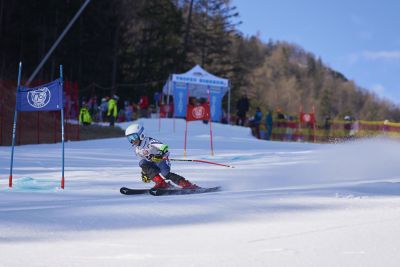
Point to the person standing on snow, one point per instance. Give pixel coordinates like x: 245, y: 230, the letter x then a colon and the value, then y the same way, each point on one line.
x: 103, y: 108
x: 268, y: 124
x: 242, y: 107
x: 84, y: 115
x: 154, y: 160
x: 112, y: 111
x: 255, y: 123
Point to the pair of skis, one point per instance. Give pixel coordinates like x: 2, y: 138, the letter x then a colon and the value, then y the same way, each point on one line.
x: 175, y: 190
x: 169, y: 191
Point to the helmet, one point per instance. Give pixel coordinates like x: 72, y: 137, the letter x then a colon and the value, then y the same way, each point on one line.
x: 134, y: 133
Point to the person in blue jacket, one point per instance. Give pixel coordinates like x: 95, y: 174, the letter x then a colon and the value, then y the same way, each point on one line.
x: 255, y: 123
x: 268, y: 124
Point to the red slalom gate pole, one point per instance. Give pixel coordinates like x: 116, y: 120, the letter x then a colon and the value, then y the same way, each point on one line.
x: 210, y: 121
x: 201, y: 161
x: 186, y: 128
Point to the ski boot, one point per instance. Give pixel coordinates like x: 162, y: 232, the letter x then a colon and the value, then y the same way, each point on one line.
x: 160, y: 183
x: 185, y: 184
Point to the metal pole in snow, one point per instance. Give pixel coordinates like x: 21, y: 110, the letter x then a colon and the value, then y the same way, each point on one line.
x: 14, y: 125
x: 62, y: 126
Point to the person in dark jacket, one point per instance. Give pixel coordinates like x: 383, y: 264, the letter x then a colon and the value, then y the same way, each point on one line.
x: 327, y: 127
x: 242, y: 107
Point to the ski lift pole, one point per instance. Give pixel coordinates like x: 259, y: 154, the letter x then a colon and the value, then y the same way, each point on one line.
x: 54, y: 46
x: 200, y: 161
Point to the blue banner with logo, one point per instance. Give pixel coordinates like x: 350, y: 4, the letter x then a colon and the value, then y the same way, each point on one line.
x: 180, y: 99
x: 45, y: 97
x: 215, y: 105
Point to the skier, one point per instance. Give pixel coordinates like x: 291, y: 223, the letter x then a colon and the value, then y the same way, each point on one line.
x: 154, y: 163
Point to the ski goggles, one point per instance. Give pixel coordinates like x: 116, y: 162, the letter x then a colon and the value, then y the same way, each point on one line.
x: 133, y: 137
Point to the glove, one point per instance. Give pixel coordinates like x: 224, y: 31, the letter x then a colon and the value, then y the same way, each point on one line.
x: 164, y: 149
x: 156, y: 158
x: 145, y: 179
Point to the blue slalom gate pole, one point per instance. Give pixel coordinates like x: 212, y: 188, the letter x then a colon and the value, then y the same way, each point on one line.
x: 14, y: 124
x: 62, y: 128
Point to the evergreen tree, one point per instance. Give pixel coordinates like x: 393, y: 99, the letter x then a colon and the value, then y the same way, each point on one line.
x: 130, y: 47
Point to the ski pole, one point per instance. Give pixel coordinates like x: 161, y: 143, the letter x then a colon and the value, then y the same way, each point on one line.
x: 201, y: 161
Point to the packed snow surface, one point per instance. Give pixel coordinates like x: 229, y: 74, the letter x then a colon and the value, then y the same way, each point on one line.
x: 284, y: 204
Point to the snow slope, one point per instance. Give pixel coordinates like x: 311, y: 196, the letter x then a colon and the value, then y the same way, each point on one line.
x: 284, y: 204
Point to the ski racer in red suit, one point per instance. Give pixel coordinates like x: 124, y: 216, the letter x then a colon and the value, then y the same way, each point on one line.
x: 154, y: 159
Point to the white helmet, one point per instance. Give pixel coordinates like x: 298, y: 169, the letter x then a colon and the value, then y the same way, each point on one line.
x: 134, y: 133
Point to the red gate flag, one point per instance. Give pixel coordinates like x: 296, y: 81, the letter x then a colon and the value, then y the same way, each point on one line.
x: 307, y: 117
x: 200, y: 112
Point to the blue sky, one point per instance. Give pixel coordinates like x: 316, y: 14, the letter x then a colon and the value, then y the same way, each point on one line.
x: 360, y: 39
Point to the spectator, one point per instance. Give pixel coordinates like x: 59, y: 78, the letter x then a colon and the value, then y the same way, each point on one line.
x: 166, y: 110
x: 203, y: 101
x: 68, y: 105
x: 157, y: 99
x: 242, y: 107
x: 280, y: 124
x: 143, y: 106
x: 289, y: 128
x: 255, y: 123
x: 268, y: 124
x: 354, y: 128
x: 327, y: 127
x: 347, y: 125
x: 281, y: 118
x: 386, y: 126
x: 103, y: 109
x: 128, y: 111
x: 112, y: 111
x: 121, y: 115
x: 92, y: 106
x: 279, y: 114
x: 224, y: 118
x: 84, y: 115
x: 135, y: 111
x: 193, y: 101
